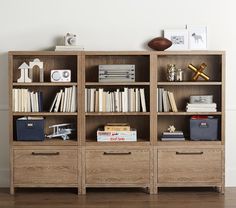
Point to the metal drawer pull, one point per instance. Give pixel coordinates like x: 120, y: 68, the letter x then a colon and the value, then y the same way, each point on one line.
x: 45, y: 153
x: 117, y: 153
x: 189, y: 153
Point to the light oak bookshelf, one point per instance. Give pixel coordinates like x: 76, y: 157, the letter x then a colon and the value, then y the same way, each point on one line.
x: 149, y: 163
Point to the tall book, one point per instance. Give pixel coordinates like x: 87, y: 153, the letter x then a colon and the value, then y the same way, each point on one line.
x: 172, y: 101
x: 100, y: 99
x: 143, y: 101
x: 160, y: 99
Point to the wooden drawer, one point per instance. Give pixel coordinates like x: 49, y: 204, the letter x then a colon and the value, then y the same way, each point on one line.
x: 195, y: 165
x: 117, y: 167
x: 45, y: 166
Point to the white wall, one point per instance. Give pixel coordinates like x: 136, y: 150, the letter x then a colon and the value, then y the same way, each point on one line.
x: 113, y: 25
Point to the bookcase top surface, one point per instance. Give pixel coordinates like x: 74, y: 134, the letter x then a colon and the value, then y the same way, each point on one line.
x: 186, y: 52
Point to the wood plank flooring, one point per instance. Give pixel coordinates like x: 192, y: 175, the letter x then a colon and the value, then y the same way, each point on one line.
x: 118, y: 198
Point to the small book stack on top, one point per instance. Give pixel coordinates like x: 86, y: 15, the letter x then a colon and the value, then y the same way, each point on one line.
x: 172, y: 136
x: 201, y: 103
x: 117, y: 132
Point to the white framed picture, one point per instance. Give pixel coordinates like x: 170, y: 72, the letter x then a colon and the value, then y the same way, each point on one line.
x: 197, y: 36
x: 179, y: 38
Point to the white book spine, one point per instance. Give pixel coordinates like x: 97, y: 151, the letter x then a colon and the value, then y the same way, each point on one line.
x: 36, y: 101
x: 137, y: 100
x: 92, y: 97
x: 32, y: 101
x: 143, y: 101
x: 16, y: 100
x: 126, y: 102
x: 52, y: 105
x: 96, y: 101
x: 62, y: 101
x: 29, y: 101
x: 58, y: 101
x: 120, y: 102
x: 100, y: 99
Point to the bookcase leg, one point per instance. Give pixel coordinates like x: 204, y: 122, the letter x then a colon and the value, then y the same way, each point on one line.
x: 220, y: 189
x: 79, y: 191
x: 155, y: 190
x: 151, y: 190
x: 83, y: 191
x: 12, y: 190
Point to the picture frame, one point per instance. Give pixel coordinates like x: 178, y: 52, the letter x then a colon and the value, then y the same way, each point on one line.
x: 197, y: 36
x: 178, y: 37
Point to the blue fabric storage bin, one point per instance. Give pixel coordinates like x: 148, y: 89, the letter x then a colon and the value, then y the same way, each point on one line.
x: 204, y: 129
x: 30, y: 130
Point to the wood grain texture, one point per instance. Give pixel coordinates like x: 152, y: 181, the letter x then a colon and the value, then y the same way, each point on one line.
x: 40, y: 166
x: 117, y: 166
x: 152, y: 164
x: 189, y: 166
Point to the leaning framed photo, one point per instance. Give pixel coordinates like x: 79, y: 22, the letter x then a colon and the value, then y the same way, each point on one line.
x: 179, y: 38
x: 197, y: 36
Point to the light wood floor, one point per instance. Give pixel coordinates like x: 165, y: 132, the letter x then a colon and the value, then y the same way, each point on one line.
x: 118, y: 198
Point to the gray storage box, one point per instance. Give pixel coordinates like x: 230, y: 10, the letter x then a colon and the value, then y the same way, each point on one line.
x: 203, y: 129
x: 30, y: 130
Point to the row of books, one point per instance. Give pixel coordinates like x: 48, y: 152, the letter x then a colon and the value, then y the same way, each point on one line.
x: 166, y: 101
x: 24, y: 100
x: 65, y: 100
x: 201, y: 107
x: 126, y: 100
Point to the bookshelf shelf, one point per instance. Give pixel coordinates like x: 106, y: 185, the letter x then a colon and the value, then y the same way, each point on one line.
x: 117, y: 84
x: 46, y: 84
x: 187, y: 113
x: 83, y: 162
x: 43, y: 114
x: 140, y: 142
x: 190, y: 144
x: 47, y: 142
x: 119, y: 114
x: 197, y: 83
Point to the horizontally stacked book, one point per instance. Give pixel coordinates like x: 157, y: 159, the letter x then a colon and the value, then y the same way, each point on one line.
x: 117, y: 132
x: 24, y: 100
x: 119, y: 100
x: 65, y: 100
x: 201, y: 103
x: 69, y: 48
x: 172, y: 136
x: 166, y: 101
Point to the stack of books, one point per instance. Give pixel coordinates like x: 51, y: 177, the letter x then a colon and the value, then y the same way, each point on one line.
x: 201, y: 107
x: 117, y: 132
x: 172, y: 136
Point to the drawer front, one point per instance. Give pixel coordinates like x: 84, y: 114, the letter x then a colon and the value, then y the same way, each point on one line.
x: 45, y: 166
x: 117, y: 167
x: 200, y: 165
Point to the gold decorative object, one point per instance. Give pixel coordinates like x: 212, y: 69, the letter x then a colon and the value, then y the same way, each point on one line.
x: 199, y: 72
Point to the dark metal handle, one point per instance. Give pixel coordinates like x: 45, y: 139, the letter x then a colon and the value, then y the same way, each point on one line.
x: 117, y: 153
x: 189, y: 153
x: 45, y: 153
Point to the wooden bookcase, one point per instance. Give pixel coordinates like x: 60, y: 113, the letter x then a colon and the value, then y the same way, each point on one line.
x: 150, y: 163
